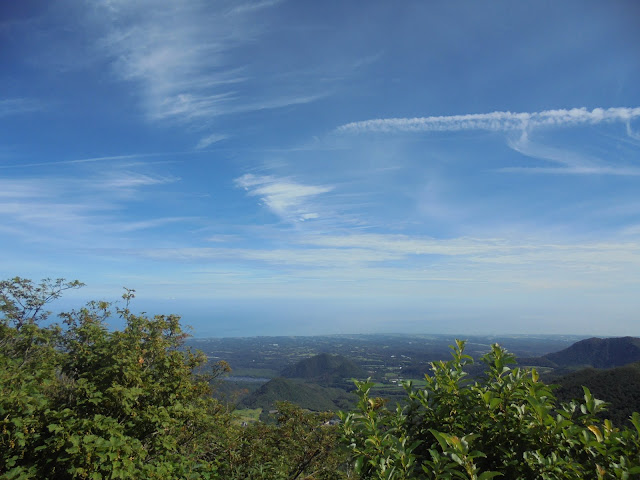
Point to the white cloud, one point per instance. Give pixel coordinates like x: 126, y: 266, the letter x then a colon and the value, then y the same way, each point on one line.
x: 495, y: 121
x: 222, y: 238
x: 569, y: 162
x: 250, y: 7
x: 21, y: 189
x: 566, y: 162
x: 47, y: 218
x: 292, y: 257
x: 631, y: 133
x: 404, y: 265
x: 76, y: 210
x: 370, y: 249
x: 405, y: 245
x: 16, y: 106
x: 210, y: 140
x: 148, y: 224
x: 110, y: 158
x: 177, y: 54
x: 182, y: 58
x: 289, y: 200
x: 128, y: 180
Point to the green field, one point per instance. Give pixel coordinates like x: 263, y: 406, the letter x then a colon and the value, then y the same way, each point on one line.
x: 249, y: 415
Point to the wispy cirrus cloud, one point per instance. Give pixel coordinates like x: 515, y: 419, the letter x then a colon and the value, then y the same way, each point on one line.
x: 210, y: 140
x: 524, y: 251
x: 290, y: 200
x: 407, y: 245
x: 148, y: 224
x: 70, y: 209
x: 17, y: 106
x: 368, y: 249
x: 108, y: 158
x: 495, y: 121
x: 374, y: 259
x: 566, y: 162
x: 291, y: 257
x: 633, y: 134
x: 38, y: 210
x: 249, y: 7
x: 182, y: 58
x: 129, y: 180
x: 14, y: 190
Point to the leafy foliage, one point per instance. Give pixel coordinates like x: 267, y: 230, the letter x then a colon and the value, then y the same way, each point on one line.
x: 301, y: 445
x: 85, y: 402
x: 80, y: 401
x: 508, y: 424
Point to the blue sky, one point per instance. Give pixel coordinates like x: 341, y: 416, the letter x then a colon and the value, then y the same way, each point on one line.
x: 281, y: 167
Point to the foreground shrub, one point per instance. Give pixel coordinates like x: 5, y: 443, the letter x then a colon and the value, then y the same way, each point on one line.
x: 506, y: 424
x: 79, y: 400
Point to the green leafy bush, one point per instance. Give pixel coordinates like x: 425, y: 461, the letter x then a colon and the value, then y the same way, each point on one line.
x: 507, y: 424
x: 78, y: 400
x: 301, y: 445
x: 81, y: 401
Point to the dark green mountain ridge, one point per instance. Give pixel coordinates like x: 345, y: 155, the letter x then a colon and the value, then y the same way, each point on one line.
x: 591, y: 352
x: 618, y: 386
x: 306, y: 395
x: 324, y: 367
x: 599, y: 352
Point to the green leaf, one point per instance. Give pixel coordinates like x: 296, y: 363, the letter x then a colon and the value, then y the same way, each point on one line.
x: 488, y: 475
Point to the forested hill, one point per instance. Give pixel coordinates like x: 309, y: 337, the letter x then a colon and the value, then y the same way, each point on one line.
x: 598, y: 353
x: 619, y: 387
x: 305, y: 395
x: 324, y: 366
x: 609, y: 367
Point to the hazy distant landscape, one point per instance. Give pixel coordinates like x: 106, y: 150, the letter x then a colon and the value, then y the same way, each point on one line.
x: 377, y: 354
x: 318, y: 372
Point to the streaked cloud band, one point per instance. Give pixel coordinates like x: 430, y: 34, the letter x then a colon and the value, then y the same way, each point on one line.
x: 495, y: 121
